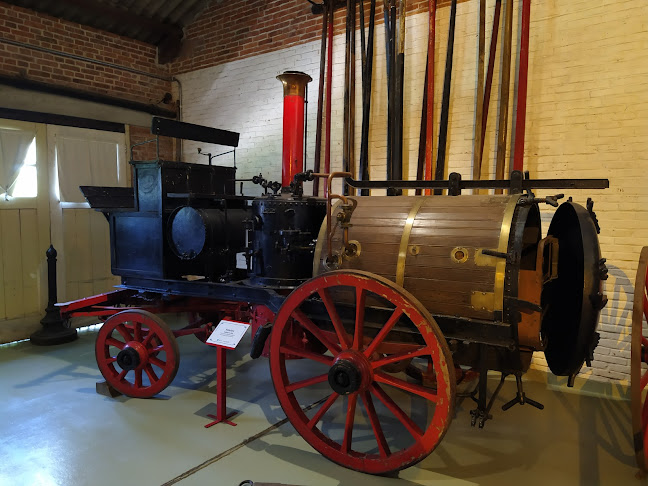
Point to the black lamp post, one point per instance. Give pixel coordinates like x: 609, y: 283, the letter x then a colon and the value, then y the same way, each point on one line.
x: 55, y: 330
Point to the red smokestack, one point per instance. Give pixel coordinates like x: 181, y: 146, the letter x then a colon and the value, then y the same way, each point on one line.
x: 294, y: 84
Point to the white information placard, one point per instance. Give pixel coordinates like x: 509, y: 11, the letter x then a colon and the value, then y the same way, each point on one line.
x: 228, y: 334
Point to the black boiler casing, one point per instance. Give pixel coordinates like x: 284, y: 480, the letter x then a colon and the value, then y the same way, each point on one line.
x: 284, y: 234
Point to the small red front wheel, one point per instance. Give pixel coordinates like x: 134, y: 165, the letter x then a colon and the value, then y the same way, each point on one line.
x: 137, y: 353
x: 353, y: 403
x: 638, y: 361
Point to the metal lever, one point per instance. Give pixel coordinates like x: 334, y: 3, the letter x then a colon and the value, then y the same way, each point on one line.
x: 550, y: 200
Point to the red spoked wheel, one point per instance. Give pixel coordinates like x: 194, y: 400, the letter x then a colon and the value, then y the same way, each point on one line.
x: 364, y: 417
x: 638, y: 368
x: 137, y: 353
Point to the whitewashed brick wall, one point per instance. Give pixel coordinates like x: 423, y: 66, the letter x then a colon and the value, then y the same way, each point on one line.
x: 587, y: 117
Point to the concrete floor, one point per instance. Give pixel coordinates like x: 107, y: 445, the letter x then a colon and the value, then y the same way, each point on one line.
x: 56, y: 430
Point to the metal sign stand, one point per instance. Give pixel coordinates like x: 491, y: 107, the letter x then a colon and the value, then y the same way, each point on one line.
x: 221, y: 391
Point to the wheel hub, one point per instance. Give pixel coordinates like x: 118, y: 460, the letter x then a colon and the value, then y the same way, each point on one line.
x: 350, y: 373
x: 128, y: 358
x: 344, y: 377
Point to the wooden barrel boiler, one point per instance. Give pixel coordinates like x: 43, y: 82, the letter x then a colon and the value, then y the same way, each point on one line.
x: 481, y: 267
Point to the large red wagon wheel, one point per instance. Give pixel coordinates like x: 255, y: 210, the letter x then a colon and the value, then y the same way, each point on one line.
x: 137, y: 353
x: 366, y: 419
x: 638, y: 372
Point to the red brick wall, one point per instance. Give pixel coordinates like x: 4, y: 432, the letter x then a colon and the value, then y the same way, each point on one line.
x: 147, y: 151
x: 26, y: 26
x: 235, y: 30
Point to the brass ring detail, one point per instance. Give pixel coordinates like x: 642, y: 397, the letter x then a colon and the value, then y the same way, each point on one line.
x: 500, y: 266
x: 459, y: 254
x: 407, y: 230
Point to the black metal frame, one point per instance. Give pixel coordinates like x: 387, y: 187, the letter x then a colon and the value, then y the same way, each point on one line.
x: 515, y: 185
x: 235, y: 291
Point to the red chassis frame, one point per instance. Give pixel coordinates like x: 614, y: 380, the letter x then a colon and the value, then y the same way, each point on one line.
x: 105, y: 305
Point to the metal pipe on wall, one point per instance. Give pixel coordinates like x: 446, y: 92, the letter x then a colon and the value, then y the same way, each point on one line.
x: 507, y: 40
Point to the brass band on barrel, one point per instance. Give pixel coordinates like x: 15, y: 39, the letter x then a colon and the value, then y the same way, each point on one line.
x: 500, y: 266
x: 407, y: 230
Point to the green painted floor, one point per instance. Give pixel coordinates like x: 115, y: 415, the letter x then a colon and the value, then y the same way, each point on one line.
x: 56, y: 430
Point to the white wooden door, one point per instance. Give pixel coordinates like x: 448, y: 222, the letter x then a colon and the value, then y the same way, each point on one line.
x: 80, y: 234
x: 24, y: 228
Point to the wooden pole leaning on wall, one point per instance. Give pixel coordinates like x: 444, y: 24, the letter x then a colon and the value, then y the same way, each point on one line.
x: 445, y: 102
x: 429, y: 102
x: 367, y: 77
x: 420, y: 168
x: 507, y: 40
x: 346, y: 124
x: 424, y: 170
x: 352, y: 104
x: 481, y: 47
x: 320, y: 97
x: 391, y: 92
x: 398, y: 96
x: 387, y: 17
x: 329, y: 86
x: 488, y: 84
x: 523, y: 78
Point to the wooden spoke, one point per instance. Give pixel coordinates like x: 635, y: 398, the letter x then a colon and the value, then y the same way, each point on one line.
x: 396, y: 315
x: 383, y: 448
x: 395, y: 358
x: 148, y: 338
x: 307, y: 382
x: 302, y: 353
x: 409, y: 424
x: 361, y: 297
x: 322, y: 410
x: 335, y: 317
x: 348, y: 426
x: 111, y: 341
x: 156, y: 349
x: 305, y: 321
x: 419, y: 390
x: 157, y: 362
x: 137, y: 331
x: 150, y: 372
x: 125, y: 333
